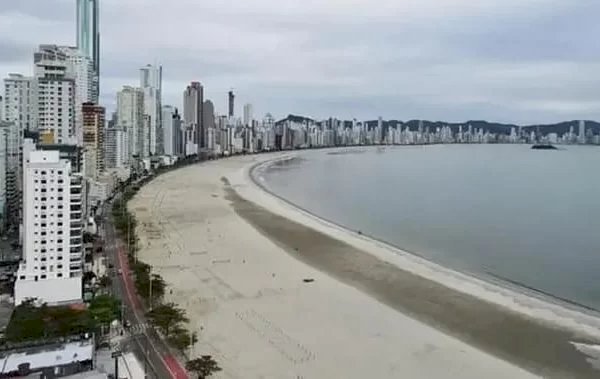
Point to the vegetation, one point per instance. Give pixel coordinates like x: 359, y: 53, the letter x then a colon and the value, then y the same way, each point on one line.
x: 104, y: 309
x: 30, y: 322
x: 181, y: 338
x: 204, y: 366
x: 167, y: 317
x: 143, y: 278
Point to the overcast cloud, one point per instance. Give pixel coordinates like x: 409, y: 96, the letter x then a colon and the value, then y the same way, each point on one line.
x: 525, y: 61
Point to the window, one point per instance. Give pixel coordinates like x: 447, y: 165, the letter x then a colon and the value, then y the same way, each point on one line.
x: 59, y: 275
x: 43, y: 277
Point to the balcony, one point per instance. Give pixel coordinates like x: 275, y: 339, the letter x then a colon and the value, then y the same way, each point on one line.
x: 76, y: 242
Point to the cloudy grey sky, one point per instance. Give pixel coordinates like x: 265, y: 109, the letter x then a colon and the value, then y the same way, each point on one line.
x: 526, y: 61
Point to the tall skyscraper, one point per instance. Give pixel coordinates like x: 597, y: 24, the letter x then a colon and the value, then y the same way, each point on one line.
x: 581, y: 135
x: 88, y: 37
x: 130, y: 117
x: 20, y: 101
x: 93, y: 140
x: 231, y: 103
x: 193, y: 99
x: 51, y: 268
x: 55, y: 94
x: 248, y: 116
x: 172, y: 133
x: 151, y: 84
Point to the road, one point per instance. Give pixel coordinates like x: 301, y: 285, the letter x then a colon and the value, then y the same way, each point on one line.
x: 146, y: 344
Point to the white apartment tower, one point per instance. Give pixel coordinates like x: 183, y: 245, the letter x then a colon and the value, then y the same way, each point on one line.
x: 115, y: 148
x: 248, y: 116
x: 51, y: 268
x: 20, y: 101
x: 151, y: 84
x: 130, y: 118
x: 56, y: 94
x: 82, y: 71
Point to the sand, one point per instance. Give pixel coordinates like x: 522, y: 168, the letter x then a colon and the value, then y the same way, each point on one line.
x: 236, y: 258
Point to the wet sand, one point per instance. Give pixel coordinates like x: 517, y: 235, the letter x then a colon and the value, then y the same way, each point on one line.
x: 238, y: 267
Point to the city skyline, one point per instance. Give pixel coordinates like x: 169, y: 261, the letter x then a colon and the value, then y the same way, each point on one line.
x: 276, y: 63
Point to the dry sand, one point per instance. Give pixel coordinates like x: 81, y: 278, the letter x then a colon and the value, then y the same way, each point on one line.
x: 235, y: 257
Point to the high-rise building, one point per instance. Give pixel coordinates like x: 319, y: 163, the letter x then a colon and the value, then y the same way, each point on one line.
x: 231, y: 103
x: 115, y: 147
x: 172, y: 133
x: 82, y: 71
x: 55, y: 94
x: 11, y: 136
x: 130, y: 118
x: 93, y: 140
x: 151, y: 84
x: 20, y: 101
x: 248, y: 116
x: 51, y: 268
x: 193, y: 99
x: 581, y: 135
x: 208, y: 115
x: 88, y: 37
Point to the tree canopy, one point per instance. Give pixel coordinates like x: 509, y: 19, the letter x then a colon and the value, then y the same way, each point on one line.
x: 204, y: 366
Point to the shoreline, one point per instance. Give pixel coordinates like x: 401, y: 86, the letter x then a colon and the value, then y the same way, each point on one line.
x: 237, y: 266
x: 488, y: 281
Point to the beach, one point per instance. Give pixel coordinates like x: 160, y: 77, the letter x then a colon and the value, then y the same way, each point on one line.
x: 275, y: 292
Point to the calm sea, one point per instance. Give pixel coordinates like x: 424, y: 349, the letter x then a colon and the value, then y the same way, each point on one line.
x: 528, y: 216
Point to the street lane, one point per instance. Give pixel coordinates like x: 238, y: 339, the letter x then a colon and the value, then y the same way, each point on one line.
x: 148, y: 346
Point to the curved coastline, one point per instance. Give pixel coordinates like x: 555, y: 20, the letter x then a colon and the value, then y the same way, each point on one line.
x: 529, y: 301
x: 486, y: 277
x: 233, y: 275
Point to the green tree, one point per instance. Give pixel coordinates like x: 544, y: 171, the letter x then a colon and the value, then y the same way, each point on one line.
x: 181, y: 338
x: 104, y: 309
x: 204, y: 366
x: 167, y: 317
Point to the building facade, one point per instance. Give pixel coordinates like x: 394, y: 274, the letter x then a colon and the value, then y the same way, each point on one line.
x: 248, y: 115
x: 130, y: 118
x: 55, y: 94
x: 20, y: 101
x: 193, y: 99
x: 11, y: 137
x: 93, y: 140
x: 51, y: 268
x: 115, y: 148
x: 151, y: 85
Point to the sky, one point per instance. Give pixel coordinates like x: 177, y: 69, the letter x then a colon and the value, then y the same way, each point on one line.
x: 522, y: 61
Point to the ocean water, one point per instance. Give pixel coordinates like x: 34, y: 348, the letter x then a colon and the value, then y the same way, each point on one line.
x: 530, y: 217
